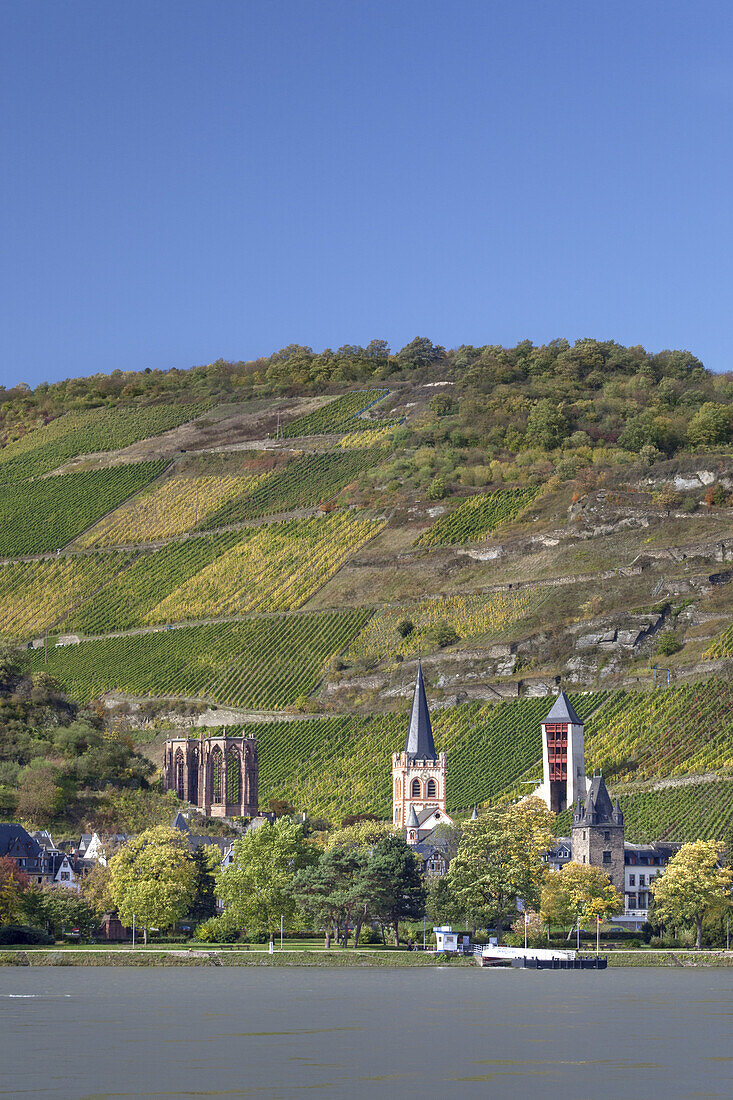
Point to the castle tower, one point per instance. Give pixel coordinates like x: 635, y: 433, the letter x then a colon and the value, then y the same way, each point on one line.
x: 418, y: 772
x: 563, y: 757
x: 597, y: 835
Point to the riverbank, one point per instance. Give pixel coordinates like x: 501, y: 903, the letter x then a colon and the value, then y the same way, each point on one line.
x: 94, y: 956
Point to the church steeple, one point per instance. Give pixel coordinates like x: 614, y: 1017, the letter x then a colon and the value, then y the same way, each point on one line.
x: 419, y: 742
x: 419, y: 772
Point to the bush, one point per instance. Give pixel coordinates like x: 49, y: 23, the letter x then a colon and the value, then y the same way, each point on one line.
x: 217, y: 930
x: 668, y: 643
x: 23, y: 934
x: 405, y: 627
x: 443, y: 634
x: 436, y: 489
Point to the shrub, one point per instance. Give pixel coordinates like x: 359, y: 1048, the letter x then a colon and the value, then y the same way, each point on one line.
x: 443, y: 634
x: 217, y: 930
x: 405, y: 627
x: 436, y: 489
x: 668, y: 643
x: 23, y: 933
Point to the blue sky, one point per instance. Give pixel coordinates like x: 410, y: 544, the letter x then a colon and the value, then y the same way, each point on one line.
x: 185, y: 180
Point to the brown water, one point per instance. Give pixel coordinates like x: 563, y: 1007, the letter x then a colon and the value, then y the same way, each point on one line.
x: 109, y: 1032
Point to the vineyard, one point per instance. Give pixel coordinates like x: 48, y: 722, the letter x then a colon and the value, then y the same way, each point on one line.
x: 477, y: 516
x: 694, y: 811
x: 673, y: 731
x: 89, y: 432
x: 38, y: 516
x: 276, y: 567
x: 721, y: 647
x: 471, y: 616
x: 305, y: 482
x: 337, y: 416
x: 170, y: 509
x: 36, y: 594
x: 130, y: 599
x: 264, y: 663
x: 331, y: 765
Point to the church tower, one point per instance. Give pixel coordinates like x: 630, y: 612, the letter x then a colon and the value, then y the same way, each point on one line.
x: 418, y: 772
x: 598, y: 832
x: 563, y: 757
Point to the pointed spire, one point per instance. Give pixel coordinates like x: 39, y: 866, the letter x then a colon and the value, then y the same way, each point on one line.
x: 474, y: 815
x: 419, y: 742
x: 412, y: 822
x: 563, y: 711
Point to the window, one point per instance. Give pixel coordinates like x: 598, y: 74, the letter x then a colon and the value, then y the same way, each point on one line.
x: 415, y: 788
x: 632, y: 880
x: 606, y: 857
x: 642, y: 880
x: 432, y: 789
x: 217, y: 768
x: 65, y: 876
x: 607, y: 836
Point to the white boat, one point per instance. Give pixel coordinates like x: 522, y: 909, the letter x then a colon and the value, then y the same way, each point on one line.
x: 498, y: 955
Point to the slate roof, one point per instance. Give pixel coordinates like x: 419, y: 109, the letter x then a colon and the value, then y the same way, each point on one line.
x: 563, y: 711
x: 419, y: 743
x: 412, y: 820
x: 597, y: 808
x: 15, y: 837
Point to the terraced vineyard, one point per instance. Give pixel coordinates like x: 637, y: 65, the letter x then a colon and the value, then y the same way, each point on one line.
x: 172, y: 508
x: 130, y: 599
x: 330, y: 765
x: 477, y: 516
x: 88, y: 432
x: 672, y: 731
x: 721, y: 647
x: 265, y: 663
x: 276, y: 567
x: 306, y: 481
x: 700, y: 811
x: 471, y: 616
x: 36, y: 594
x: 336, y: 416
x: 42, y: 515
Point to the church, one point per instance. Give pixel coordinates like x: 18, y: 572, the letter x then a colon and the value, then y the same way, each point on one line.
x: 419, y: 777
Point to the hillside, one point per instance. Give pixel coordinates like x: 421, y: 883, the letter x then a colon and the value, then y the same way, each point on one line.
x: 261, y: 540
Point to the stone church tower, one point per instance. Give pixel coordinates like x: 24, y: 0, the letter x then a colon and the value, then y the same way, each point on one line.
x: 419, y: 772
x: 598, y: 833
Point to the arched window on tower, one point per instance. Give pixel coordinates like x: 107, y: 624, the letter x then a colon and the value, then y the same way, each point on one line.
x: 415, y: 789
x: 178, y: 773
x: 432, y: 789
x: 234, y: 777
x: 216, y: 774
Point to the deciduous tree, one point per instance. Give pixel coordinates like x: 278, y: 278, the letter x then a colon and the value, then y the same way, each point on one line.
x: 499, y: 860
x: 153, y: 878
x: 692, y: 885
x: 257, y: 887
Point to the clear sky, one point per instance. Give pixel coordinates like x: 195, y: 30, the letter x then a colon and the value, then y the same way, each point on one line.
x: 194, y: 179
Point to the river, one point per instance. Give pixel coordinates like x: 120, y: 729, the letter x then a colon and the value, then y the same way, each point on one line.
x: 103, y: 1032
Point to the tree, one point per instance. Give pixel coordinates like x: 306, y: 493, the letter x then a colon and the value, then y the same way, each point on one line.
x: 153, y: 878
x: 546, y: 425
x: 668, y: 498
x: 394, y: 883
x: 405, y: 627
x: 709, y: 425
x: 257, y: 887
x: 96, y: 889
x: 420, y: 352
x: 334, y: 892
x: 206, y: 861
x: 586, y: 893
x: 499, y: 860
x: 40, y: 798
x: 13, y: 884
x: 555, y: 903
x: 443, y: 634
x: 64, y: 910
x: 668, y: 643
x: 692, y: 885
